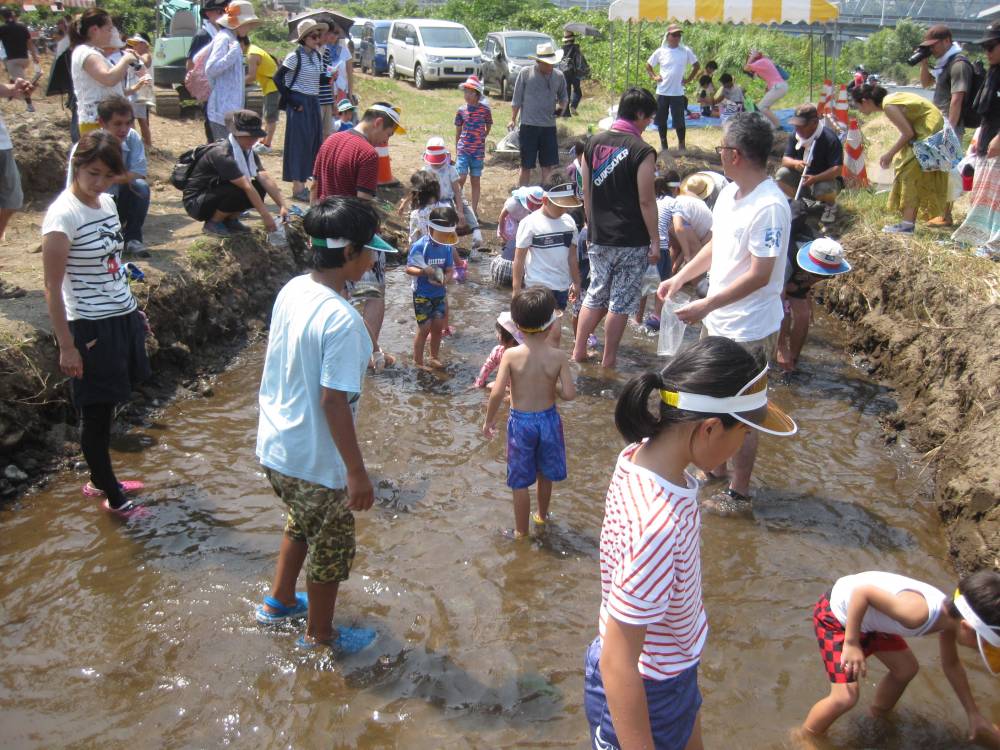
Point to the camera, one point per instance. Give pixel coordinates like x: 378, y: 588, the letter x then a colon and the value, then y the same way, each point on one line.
x: 920, y: 53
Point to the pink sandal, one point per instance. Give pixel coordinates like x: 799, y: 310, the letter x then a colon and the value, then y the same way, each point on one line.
x: 129, y: 486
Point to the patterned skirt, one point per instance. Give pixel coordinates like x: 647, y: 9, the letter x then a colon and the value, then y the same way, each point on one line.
x: 982, y: 225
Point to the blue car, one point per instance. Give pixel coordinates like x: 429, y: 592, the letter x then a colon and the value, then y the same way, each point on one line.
x: 374, y: 38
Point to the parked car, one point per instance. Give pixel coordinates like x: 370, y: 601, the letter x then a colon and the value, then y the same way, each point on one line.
x: 430, y: 51
x: 374, y: 42
x: 505, y: 53
x: 354, y: 38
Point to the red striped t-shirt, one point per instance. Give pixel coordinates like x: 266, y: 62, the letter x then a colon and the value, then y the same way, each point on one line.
x: 651, y: 566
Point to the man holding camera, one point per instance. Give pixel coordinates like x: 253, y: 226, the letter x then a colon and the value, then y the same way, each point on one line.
x: 951, y: 78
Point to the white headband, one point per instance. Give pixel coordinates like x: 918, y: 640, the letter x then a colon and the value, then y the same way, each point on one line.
x: 556, y: 314
x: 988, y: 633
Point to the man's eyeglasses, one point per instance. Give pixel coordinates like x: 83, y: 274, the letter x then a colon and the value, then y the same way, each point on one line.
x: 720, y: 149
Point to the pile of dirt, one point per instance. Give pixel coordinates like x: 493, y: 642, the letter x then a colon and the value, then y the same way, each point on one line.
x: 199, y: 317
x: 41, y: 148
x: 936, y: 344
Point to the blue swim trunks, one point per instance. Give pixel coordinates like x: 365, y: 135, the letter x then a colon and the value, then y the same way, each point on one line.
x: 535, y: 446
x: 673, y: 706
x: 426, y: 309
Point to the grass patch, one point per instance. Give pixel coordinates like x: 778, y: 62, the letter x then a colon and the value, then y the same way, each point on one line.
x: 204, y: 253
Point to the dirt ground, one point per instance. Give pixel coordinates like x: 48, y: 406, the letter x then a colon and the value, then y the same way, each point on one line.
x: 936, y: 346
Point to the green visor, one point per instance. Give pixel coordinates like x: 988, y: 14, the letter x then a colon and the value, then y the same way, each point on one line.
x: 376, y: 243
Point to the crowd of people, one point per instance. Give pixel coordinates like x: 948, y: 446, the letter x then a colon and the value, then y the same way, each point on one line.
x: 596, y: 239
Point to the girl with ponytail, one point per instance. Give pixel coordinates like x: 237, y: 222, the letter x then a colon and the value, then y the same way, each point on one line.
x: 641, y: 687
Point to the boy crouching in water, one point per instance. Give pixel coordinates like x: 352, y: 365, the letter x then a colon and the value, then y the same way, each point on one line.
x: 537, y: 373
x: 870, y: 613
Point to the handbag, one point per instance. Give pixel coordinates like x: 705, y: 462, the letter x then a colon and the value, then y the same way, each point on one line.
x: 939, y: 152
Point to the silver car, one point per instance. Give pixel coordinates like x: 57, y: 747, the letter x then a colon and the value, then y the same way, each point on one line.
x: 505, y: 53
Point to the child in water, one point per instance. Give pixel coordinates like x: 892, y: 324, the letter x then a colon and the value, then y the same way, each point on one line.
x: 507, y: 336
x: 870, y: 613
x: 537, y: 374
x: 641, y: 684
x: 429, y: 263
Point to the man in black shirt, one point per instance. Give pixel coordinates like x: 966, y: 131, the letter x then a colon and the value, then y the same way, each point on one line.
x: 17, y: 44
x: 618, y: 171
x: 815, y: 156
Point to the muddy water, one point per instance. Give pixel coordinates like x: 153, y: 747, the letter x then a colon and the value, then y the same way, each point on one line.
x: 143, y: 633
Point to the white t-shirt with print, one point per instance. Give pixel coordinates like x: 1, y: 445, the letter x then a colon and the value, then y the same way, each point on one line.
x: 875, y: 621
x: 88, y: 91
x: 672, y: 63
x: 548, y: 241
x: 756, y: 225
x: 317, y: 340
x: 94, y: 286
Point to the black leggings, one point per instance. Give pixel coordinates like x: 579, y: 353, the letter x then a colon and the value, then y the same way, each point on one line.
x: 95, y: 440
x: 677, y: 108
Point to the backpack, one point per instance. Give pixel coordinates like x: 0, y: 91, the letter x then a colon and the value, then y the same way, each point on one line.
x: 181, y: 171
x: 279, y: 79
x: 584, y: 70
x: 785, y: 75
x: 195, y: 80
x: 970, y: 117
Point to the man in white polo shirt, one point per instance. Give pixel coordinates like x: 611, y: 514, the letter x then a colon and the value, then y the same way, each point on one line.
x: 746, y: 265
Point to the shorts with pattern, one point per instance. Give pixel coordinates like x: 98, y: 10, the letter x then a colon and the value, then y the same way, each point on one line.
x: 426, y: 309
x: 535, y: 446
x: 830, y: 636
x: 616, y: 277
x: 318, y: 516
x: 470, y: 165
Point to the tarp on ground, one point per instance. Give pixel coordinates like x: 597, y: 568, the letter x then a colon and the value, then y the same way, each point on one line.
x: 720, y: 11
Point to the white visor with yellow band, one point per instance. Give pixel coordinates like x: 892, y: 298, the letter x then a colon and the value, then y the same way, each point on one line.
x: 749, y: 406
x: 556, y: 314
x: 987, y: 636
x: 443, y: 234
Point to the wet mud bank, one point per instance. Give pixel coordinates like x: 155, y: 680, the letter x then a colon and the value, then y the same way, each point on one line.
x: 918, y: 329
x: 202, y: 312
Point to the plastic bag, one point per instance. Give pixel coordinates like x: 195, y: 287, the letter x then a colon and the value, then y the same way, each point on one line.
x: 954, y: 185
x: 671, y: 327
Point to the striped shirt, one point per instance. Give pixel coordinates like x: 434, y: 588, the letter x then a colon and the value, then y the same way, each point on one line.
x: 94, y: 286
x: 307, y: 81
x: 651, y: 566
x: 326, y: 93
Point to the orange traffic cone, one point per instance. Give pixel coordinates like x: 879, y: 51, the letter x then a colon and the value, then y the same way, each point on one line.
x: 854, y: 172
x: 840, y: 108
x: 826, y: 98
x: 385, y: 167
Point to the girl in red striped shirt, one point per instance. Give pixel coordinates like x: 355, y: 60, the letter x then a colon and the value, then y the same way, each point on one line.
x: 641, y: 686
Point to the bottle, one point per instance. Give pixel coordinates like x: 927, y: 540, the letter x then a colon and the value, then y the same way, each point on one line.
x: 968, y: 172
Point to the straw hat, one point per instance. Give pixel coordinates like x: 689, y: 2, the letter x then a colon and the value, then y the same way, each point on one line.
x: 238, y: 13
x: 823, y: 257
x: 546, y: 53
x: 135, y: 40
x: 698, y: 185
x: 306, y: 27
x: 473, y: 83
x: 435, y: 152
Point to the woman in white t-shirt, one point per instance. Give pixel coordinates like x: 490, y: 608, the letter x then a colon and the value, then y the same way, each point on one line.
x: 95, y: 319
x: 94, y: 78
x: 641, y: 683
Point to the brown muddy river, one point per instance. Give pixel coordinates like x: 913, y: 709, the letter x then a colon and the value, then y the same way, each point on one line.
x: 142, y: 634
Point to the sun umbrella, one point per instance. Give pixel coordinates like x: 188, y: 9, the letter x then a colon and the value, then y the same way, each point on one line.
x: 320, y: 16
x: 583, y: 30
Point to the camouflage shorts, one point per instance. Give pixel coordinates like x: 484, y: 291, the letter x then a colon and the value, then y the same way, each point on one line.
x: 319, y: 517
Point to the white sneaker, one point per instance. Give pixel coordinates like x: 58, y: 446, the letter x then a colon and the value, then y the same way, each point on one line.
x: 829, y: 215
x: 135, y: 249
x: 900, y: 228
x: 261, y: 148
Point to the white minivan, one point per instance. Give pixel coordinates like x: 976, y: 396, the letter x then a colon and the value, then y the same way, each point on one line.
x: 429, y: 51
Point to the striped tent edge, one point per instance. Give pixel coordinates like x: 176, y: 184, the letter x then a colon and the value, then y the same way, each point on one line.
x: 722, y: 11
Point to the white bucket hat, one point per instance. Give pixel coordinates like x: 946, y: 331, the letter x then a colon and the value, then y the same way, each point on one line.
x: 308, y: 26
x: 238, y: 13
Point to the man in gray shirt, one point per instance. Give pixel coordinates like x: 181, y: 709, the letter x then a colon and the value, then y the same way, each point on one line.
x: 539, y: 94
x: 951, y: 79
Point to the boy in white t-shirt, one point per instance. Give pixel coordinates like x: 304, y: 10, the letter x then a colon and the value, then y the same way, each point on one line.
x: 545, y: 252
x: 870, y: 613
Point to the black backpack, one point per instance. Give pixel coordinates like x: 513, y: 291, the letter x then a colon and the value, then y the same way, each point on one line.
x: 970, y: 117
x: 285, y: 89
x: 182, y: 170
